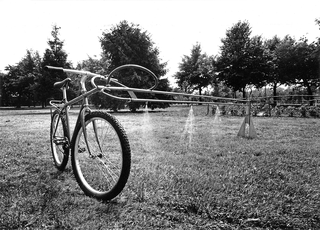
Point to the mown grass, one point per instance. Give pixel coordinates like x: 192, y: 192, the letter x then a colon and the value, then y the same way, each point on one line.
x: 219, y: 181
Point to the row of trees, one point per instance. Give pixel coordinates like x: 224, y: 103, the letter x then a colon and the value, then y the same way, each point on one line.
x: 30, y: 83
x: 244, y: 62
x: 247, y: 61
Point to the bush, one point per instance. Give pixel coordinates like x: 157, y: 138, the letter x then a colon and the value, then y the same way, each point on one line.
x: 264, y: 109
x: 290, y: 111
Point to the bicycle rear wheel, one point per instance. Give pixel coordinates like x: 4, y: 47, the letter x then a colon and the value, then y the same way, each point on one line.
x: 59, y: 140
x: 102, y: 167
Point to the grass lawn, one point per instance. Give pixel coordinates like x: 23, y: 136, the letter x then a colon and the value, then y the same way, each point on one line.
x: 211, y: 180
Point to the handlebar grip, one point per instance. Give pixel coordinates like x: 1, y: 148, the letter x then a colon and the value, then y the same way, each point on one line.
x: 54, y: 68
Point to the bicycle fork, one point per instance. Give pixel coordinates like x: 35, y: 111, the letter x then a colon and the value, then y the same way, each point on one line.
x: 82, y: 115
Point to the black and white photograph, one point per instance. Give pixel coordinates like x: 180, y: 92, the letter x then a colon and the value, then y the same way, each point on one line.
x: 159, y: 114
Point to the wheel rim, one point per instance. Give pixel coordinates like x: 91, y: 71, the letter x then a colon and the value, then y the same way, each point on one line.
x: 99, y: 172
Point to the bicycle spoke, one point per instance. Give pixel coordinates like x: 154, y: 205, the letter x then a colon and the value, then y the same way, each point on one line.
x: 107, y: 175
x: 111, y: 173
x: 100, y: 173
x: 96, y: 134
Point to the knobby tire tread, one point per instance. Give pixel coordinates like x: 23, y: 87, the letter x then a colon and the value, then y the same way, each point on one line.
x: 126, y: 155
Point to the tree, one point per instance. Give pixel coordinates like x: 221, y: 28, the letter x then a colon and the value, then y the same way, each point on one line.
x: 293, y: 62
x: 317, y: 21
x: 285, y: 54
x: 242, y: 60
x: 273, y: 76
x: 305, y: 65
x: 30, y: 66
x: 19, y: 82
x: 53, y: 56
x: 127, y: 44
x: 195, y: 71
x: 257, y: 62
x: 95, y: 65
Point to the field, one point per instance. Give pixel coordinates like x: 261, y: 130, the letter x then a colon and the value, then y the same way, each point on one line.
x: 210, y: 180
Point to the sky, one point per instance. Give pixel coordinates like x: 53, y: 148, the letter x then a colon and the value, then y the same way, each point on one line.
x: 174, y: 25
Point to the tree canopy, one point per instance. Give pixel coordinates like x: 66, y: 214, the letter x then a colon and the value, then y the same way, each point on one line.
x: 242, y: 61
x: 20, y: 82
x: 195, y: 71
x: 128, y: 44
x: 53, y: 56
x: 28, y: 83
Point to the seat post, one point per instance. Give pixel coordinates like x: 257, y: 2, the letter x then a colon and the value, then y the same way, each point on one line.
x: 65, y: 100
x: 64, y: 94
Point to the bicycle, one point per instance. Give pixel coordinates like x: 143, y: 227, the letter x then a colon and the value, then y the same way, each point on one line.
x: 100, y: 149
x: 101, y: 167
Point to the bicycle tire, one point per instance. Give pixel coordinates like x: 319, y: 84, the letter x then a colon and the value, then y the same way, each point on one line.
x: 105, y: 172
x: 59, y: 140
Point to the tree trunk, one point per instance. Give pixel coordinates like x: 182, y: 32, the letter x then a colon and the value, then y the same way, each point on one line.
x: 19, y: 102
x: 274, y: 89
x: 244, y: 92
x: 274, y: 94
x: 200, y: 91
x: 216, y: 90
x: 309, y: 90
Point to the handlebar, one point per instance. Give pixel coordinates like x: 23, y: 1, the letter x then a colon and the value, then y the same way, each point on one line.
x: 72, y: 71
x: 53, y: 67
x: 108, y: 78
x: 81, y: 72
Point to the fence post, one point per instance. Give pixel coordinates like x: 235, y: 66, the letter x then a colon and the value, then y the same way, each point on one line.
x: 208, y: 110
x: 247, y: 124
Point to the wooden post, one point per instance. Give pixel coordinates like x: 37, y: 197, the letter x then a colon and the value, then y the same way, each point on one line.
x: 208, y: 110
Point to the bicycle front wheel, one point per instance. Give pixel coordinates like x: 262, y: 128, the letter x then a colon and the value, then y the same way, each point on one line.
x: 59, y: 140
x: 101, y: 161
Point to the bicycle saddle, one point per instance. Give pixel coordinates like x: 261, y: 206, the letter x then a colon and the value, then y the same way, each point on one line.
x: 63, y: 83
